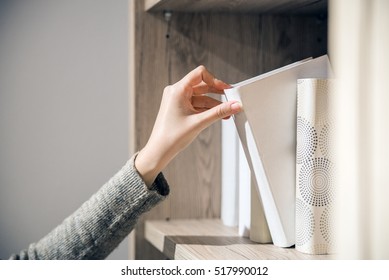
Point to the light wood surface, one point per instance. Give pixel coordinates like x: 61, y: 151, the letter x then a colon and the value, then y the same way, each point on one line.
x: 210, y: 239
x: 240, y: 6
x: 234, y: 48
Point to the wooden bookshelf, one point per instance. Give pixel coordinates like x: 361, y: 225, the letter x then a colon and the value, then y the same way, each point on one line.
x: 235, y: 40
x: 209, y: 239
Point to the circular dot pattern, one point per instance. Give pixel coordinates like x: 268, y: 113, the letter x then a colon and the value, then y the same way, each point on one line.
x: 315, y: 182
x: 326, y: 225
x: 305, y: 223
x: 324, y: 140
x: 322, y: 101
x: 306, y: 140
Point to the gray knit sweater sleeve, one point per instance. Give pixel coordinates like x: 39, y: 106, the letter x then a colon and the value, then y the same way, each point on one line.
x: 102, y: 222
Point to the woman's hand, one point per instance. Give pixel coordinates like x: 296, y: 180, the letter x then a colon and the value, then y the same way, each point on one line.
x: 184, y: 112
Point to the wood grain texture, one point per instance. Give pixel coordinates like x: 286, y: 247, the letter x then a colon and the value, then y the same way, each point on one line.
x: 239, y: 6
x: 207, y: 239
x: 233, y: 47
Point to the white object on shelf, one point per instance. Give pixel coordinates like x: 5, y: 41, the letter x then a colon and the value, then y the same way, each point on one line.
x: 240, y: 203
x: 314, y: 168
x: 244, y: 195
x: 267, y: 130
x: 230, y: 174
x: 259, y: 231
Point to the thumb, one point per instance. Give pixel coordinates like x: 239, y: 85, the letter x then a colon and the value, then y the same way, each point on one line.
x: 219, y: 112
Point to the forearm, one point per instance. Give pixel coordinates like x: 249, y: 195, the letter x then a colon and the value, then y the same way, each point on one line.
x: 102, y: 222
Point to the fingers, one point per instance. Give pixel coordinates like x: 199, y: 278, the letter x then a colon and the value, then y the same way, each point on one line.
x: 221, y: 111
x: 201, y: 74
x: 203, y: 88
x: 206, y: 102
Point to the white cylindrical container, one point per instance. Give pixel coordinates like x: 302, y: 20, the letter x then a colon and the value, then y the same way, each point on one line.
x: 314, y: 168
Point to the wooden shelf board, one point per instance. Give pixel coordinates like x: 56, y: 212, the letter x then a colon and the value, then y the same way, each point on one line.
x: 210, y: 239
x: 239, y: 6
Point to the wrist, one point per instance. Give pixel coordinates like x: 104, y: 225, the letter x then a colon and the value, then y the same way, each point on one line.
x: 148, y: 165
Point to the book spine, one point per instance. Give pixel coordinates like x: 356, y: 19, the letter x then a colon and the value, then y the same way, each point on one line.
x: 259, y: 230
x: 230, y: 174
x: 314, y: 176
x: 244, y: 195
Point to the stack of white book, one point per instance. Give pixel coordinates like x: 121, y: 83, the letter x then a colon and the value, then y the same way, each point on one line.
x: 267, y: 133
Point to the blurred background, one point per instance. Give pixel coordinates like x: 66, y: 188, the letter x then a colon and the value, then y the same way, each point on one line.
x: 63, y: 111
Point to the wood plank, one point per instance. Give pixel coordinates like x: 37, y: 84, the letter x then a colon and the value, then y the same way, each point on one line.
x: 239, y: 6
x: 234, y: 48
x: 209, y: 239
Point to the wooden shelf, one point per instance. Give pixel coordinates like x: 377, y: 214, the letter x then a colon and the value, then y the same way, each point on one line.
x: 235, y: 40
x: 239, y: 6
x: 210, y: 239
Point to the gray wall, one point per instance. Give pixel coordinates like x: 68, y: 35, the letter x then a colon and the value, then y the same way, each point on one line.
x: 63, y: 111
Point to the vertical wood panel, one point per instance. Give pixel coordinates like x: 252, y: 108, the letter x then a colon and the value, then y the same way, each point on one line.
x: 233, y: 47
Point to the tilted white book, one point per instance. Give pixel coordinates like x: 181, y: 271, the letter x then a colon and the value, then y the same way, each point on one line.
x: 267, y: 130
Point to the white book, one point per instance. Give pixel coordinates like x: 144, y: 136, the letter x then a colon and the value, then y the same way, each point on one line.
x: 259, y: 231
x: 244, y: 195
x: 267, y: 130
x: 240, y: 204
x: 230, y: 174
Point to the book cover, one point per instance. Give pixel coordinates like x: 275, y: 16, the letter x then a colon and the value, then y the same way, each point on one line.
x: 240, y: 204
x: 267, y: 130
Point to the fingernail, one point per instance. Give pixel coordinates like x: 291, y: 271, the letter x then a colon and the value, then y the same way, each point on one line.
x: 236, y: 107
